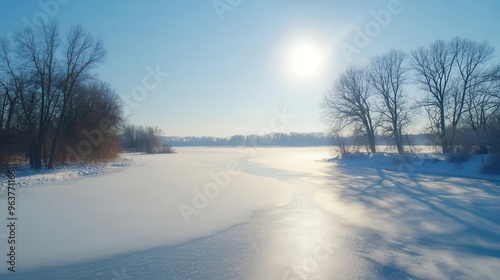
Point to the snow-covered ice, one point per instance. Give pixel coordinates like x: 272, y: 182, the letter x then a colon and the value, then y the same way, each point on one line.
x: 286, y: 214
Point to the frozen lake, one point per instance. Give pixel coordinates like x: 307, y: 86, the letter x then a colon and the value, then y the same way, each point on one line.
x: 256, y: 213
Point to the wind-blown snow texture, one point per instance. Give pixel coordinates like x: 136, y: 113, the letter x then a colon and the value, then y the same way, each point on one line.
x: 288, y: 215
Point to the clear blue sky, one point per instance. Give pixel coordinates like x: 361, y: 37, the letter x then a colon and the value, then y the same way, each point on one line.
x: 231, y: 62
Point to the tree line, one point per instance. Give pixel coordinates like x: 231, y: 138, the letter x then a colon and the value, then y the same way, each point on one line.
x: 53, y: 107
x: 52, y: 104
x: 145, y: 139
x: 459, y: 84
x: 292, y: 139
x: 271, y: 139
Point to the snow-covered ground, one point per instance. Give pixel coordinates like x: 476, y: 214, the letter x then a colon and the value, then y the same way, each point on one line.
x: 257, y: 213
x: 428, y: 163
x: 432, y: 219
x: 26, y: 176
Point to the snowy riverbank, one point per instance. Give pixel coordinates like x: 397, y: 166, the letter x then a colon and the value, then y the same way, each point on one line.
x: 425, y: 163
x: 26, y: 176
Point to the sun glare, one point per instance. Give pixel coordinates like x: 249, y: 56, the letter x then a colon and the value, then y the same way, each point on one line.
x: 305, y: 60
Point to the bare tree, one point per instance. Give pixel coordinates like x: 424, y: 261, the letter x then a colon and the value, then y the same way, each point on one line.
x: 483, y: 105
x: 38, y: 53
x: 94, y: 115
x: 82, y: 53
x: 472, y: 75
x: 449, y: 71
x: 48, y: 92
x: 16, y: 84
x: 145, y: 139
x: 337, y: 135
x: 8, y: 102
x: 130, y: 137
x: 388, y: 76
x: 349, y: 101
x: 434, y: 67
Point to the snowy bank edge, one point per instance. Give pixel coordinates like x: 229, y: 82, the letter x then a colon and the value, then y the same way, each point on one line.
x: 425, y: 163
x: 27, y: 177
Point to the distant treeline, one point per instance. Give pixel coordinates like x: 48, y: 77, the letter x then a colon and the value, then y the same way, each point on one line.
x: 144, y: 139
x: 280, y: 139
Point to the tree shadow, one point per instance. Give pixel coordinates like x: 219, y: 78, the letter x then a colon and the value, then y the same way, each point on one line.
x: 458, y: 215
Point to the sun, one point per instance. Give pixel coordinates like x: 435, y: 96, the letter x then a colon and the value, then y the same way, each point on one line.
x: 305, y: 60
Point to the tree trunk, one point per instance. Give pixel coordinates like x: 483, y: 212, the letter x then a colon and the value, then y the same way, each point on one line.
x: 38, y: 156
x: 399, y: 143
x: 371, y: 142
x: 444, y: 141
x: 52, y: 153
